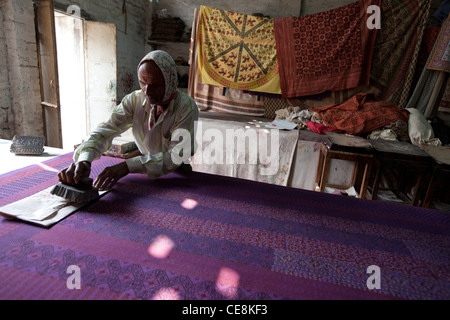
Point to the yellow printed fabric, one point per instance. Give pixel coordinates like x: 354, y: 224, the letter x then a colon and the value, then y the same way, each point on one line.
x: 237, y: 51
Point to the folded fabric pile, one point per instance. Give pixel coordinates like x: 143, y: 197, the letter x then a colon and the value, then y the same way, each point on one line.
x: 397, y: 130
x: 298, y: 116
x: 361, y: 113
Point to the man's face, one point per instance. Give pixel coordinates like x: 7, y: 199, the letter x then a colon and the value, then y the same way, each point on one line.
x: 151, y: 81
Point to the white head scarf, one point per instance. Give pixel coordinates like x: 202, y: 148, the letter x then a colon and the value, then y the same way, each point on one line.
x: 168, y: 68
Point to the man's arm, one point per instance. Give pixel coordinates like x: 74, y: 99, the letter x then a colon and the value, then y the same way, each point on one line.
x: 100, y: 139
x: 98, y: 142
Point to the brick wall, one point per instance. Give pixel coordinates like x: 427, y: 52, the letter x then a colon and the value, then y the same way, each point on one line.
x: 20, y: 111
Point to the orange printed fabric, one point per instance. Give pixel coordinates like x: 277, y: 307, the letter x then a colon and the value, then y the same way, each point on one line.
x: 360, y: 114
x: 237, y: 51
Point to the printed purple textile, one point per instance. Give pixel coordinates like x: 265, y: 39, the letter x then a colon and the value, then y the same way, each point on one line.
x: 211, y: 237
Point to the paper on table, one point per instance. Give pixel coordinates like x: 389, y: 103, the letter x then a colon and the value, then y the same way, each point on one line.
x: 281, y: 125
x: 348, y: 140
x: 439, y: 153
x: 42, y: 208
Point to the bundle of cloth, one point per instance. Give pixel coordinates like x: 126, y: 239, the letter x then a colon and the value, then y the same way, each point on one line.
x: 301, y: 117
x: 363, y: 114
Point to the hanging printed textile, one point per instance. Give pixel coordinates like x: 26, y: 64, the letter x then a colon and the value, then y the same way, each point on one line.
x: 237, y: 51
x: 217, y: 98
x: 440, y: 59
x: 329, y: 50
x: 397, y: 48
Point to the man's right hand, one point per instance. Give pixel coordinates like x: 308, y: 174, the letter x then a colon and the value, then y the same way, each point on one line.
x: 75, y: 172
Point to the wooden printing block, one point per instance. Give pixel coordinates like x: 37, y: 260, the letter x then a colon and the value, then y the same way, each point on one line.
x: 29, y: 145
x: 80, y: 193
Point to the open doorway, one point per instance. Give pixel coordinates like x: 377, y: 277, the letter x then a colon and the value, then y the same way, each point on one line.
x: 86, y: 59
x: 71, y: 73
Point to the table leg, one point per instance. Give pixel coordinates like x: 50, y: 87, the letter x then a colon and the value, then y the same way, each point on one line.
x: 319, y: 170
x: 376, y: 183
x: 326, y: 168
x: 416, y: 197
x: 430, y: 189
x: 365, y: 180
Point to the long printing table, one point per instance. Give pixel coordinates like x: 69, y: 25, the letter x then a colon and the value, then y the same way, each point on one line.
x: 212, y: 237
x: 298, y: 152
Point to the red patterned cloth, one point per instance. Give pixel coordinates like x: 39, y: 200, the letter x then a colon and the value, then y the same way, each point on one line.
x: 318, y: 127
x: 159, y: 110
x: 329, y: 50
x: 360, y: 114
x: 155, y: 113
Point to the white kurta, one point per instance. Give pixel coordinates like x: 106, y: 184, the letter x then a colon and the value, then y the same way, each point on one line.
x: 156, y: 144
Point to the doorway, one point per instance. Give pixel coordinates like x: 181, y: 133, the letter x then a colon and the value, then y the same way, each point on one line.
x: 86, y: 60
x: 72, y: 92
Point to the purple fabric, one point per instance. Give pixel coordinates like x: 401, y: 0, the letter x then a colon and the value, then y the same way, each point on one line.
x: 226, y: 238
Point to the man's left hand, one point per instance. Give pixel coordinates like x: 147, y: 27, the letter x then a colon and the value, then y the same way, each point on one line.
x: 110, y: 175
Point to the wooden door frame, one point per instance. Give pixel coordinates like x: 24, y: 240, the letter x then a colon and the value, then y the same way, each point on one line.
x: 48, y: 71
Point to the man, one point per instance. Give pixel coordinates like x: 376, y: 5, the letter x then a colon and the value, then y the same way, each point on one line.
x: 153, y: 113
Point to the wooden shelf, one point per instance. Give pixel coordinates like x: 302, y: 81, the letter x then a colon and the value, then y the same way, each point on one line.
x: 167, y: 42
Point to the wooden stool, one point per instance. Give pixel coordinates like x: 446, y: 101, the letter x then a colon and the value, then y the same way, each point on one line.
x: 349, y: 148
x: 397, y: 153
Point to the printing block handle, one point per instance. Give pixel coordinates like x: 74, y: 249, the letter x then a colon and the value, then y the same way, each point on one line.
x: 84, y: 184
